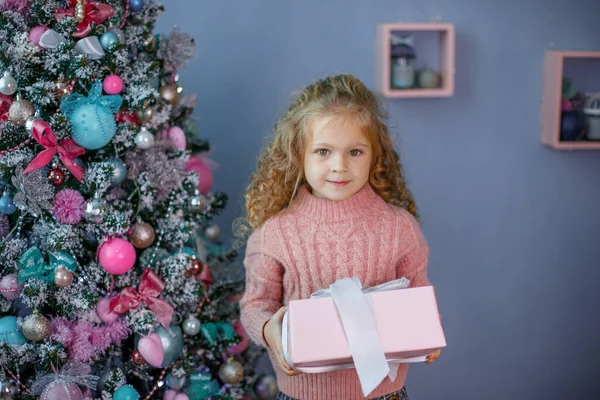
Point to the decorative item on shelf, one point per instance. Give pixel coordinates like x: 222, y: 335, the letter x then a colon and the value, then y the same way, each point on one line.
x: 429, y: 79
x: 592, y: 117
x: 403, y: 61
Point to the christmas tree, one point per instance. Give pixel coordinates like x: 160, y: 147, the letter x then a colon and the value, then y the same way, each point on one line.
x: 113, y: 279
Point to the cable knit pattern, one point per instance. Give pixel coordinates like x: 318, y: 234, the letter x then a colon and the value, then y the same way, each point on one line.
x: 309, y: 246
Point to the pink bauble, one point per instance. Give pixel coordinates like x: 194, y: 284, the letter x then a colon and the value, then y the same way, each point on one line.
x: 112, y: 84
x: 239, y: 329
x: 199, y: 165
x: 61, y: 390
x: 103, y: 311
x: 177, y: 136
x: 36, y: 33
x: 10, y: 287
x: 151, y: 348
x: 181, y: 396
x: 117, y: 256
x: 170, y: 395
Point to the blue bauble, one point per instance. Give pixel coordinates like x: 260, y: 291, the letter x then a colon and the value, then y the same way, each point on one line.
x: 9, y: 332
x: 108, y: 40
x: 202, y: 385
x: 120, y: 171
x: 571, y: 126
x: 173, y: 345
x: 6, y: 204
x: 126, y: 392
x: 93, y: 126
x: 136, y: 5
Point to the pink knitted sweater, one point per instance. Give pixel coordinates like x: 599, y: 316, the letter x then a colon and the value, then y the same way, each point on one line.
x: 311, y: 244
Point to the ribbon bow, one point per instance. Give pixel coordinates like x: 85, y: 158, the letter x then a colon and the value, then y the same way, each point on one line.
x: 31, y: 264
x: 148, y: 290
x: 67, y: 150
x: 93, y: 12
x: 74, y: 372
x: 71, y: 102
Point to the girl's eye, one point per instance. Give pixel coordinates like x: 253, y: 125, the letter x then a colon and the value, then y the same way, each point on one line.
x: 322, y: 152
x: 355, y: 152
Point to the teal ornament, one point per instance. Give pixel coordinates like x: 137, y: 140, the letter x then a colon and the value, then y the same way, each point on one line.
x: 92, y: 119
x: 202, y: 385
x: 126, y: 392
x: 172, y: 343
x: 109, y: 40
x: 9, y: 332
x: 175, y: 383
x: 185, y: 250
x: 6, y: 204
x: 31, y: 264
x: 210, y: 330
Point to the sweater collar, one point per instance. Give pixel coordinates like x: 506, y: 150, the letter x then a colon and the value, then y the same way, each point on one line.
x: 364, y: 203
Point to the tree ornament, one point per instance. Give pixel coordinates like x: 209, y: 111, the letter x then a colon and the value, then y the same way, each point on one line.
x: 6, y: 203
x: 191, y: 326
x: 142, y: 235
x: 103, y: 311
x: 151, y: 349
x: 95, y: 210
x: 212, y: 232
x: 137, y: 359
x: 126, y: 392
x: 10, y: 333
x: 169, y: 93
x: 120, y: 34
x: 197, y: 202
x: 231, y: 372
x: 144, y: 139
x: 195, y: 268
x: 56, y: 177
x: 62, y: 87
x: 203, y: 166
x: 10, y: 287
x: 20, y: 110
x: 119, y: 174
x: 8, y: 84
x: 116, y: 256
x: 8, y: 390
x: 108, y: 41
x: 176, y: 136
x: 266, y: 387
x: 144, y: 114
x: 85, y: 12
x: 90, y: 47
x: 112, y: 84
x: 61, y: 390
x: 36, y: 327
x: 63, y: 277
x: 136, y: 5
x: 36, y: 33
x: 172, y: 343
x: 91, y: 117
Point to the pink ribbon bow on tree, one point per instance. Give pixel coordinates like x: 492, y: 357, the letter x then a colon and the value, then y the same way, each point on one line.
x: 93, y: 12
x: 67, y: 150
x: 148, y: 290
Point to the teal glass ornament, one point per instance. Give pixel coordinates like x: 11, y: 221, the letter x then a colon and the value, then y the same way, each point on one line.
x: 108, y: 40
x: 6, y: 204
x: 172, y: 343
x: 9, y: 332
x: 202, y: 385
x: 126, y: 392
x: 92, y: 120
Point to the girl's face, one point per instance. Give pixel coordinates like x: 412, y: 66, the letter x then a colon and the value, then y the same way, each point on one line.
x: 337, y: 159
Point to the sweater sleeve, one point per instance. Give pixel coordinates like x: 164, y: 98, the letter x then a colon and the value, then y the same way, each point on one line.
x: 412, y: 263
x: 264, y: 288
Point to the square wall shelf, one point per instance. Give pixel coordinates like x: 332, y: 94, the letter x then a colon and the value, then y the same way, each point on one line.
x: 583, y: 69
x: 434, y: 45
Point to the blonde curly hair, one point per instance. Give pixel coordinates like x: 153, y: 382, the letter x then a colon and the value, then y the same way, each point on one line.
x: 280, y: 172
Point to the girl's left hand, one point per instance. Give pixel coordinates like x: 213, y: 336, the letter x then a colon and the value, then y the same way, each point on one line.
x: 433, y: 356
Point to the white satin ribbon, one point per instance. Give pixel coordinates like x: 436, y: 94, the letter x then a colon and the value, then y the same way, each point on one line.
x: 51, y: 39
x: 356, y: 315
x: 91, y: 47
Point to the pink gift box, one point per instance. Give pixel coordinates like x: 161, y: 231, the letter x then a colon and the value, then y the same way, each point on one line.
x: 407, y: 321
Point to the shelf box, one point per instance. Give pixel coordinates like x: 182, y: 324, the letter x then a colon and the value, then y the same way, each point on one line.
x: 441, y: 35
x: 559, y: 64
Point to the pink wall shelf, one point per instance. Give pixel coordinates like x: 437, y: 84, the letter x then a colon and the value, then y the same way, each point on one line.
x: 434, y: 34
x: 554, y: 65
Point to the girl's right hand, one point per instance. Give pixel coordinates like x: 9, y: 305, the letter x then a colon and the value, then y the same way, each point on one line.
x: 272, y: 334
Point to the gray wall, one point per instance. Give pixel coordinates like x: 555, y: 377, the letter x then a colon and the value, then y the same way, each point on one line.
x: 513, y: 226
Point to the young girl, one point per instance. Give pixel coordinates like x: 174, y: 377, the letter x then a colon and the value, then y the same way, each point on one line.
x: 328, y: 201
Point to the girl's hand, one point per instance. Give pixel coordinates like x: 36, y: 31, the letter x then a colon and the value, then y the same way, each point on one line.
x: 272, y: 334
x: 433, y: 356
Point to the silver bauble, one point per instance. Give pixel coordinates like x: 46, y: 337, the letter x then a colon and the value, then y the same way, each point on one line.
x: 231, y: 372
x: 62, y: 277
x: 172, y: 343
x: 144, y: 139
x: 266, y: 387
x: 8, y: 84
x: 36, y: 327
x: 212, y: 232
x: 191, y: 326
x: 120, y: 34
x: 94, y: 211
x: 197, y: 202
x: 119, y: 173
x: 20, y: 111
x: 142, y: 235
